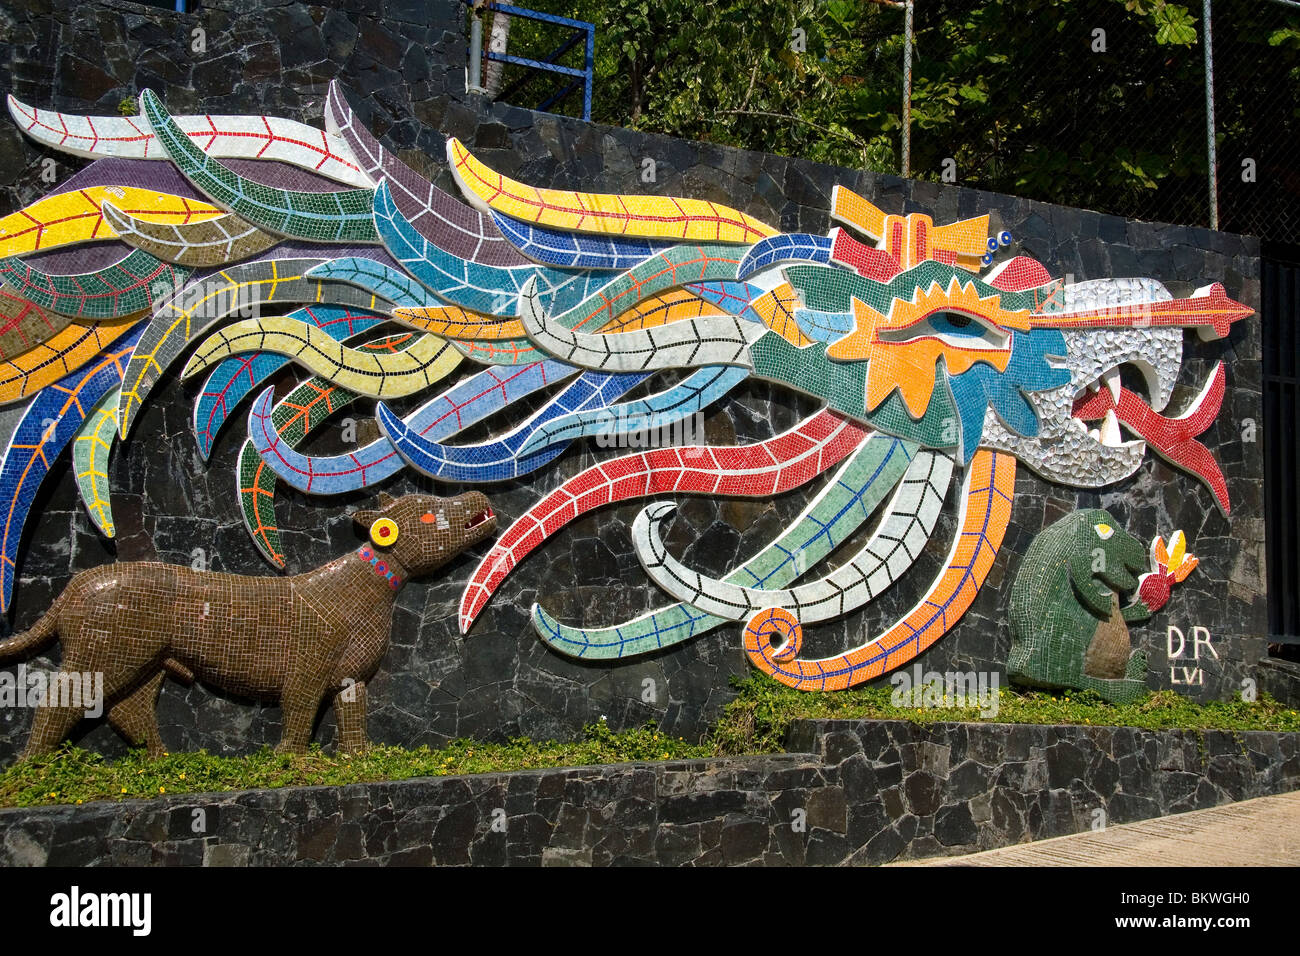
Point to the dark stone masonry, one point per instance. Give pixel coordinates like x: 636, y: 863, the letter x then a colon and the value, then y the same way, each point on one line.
x: 402, y: 65
x: 855, y: 793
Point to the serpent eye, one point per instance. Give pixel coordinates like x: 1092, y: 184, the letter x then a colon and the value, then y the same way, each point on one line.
x: 1104, y: 531
x: 951, y: 328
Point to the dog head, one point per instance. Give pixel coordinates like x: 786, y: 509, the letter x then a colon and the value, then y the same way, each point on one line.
x: 424, y: 532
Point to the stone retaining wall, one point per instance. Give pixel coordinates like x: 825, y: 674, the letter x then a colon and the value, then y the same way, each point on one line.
x: 857, y: 792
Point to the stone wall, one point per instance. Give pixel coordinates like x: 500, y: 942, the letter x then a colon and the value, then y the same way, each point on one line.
x: 861, y: 792
x: 402, y: 65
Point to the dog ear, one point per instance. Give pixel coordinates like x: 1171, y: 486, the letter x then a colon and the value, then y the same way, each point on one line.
x: 385, y: 499
x: 365, y: 518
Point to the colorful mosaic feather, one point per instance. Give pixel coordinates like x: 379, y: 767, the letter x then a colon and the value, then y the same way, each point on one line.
x: 767, y: 468
x: 209, y: 242
x: 127, y: 286
x: 835, y: 513
x: 238, y: 375
x: 493, y: 290
x: 775, y: 308
x: 711, y: 340
x: 640, y: 291
x: 59, y: 356
x: 212, y: 298
x: 294, y: 418
x: 456, y: 228
x: 502, y: 458
x: 379, y: 278
x: 469, y: 401
x: 91, y: 449
x: 25, y: 325
x: 52, y: 420
x: 342, y: 217
x: 786, y: 247
x: 985, y: 513
x: 663, y: 409
x: 575, y: 250
x: 76, y: 216
x: 901, y: 536
x: 651, y: 217
x: 387, y: 375
x: 227, y: 137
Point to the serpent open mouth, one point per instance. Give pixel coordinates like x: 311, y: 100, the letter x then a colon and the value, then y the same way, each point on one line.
x: 1107, y: 402
x: 1096, y: 428
x: 478, y: 518
x: 1097, y: 414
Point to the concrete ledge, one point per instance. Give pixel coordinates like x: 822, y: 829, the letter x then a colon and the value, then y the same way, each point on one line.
x: 857, y: 792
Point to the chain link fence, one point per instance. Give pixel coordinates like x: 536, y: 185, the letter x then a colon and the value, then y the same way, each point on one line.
x: 1113, y: 114
x: 1092, y: 103
x: 1256, y: 64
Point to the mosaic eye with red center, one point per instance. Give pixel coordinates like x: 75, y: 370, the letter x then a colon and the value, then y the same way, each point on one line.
x: 383, y: 531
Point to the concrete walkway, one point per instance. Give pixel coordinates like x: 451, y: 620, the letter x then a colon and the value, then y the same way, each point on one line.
x: 1261, y: 832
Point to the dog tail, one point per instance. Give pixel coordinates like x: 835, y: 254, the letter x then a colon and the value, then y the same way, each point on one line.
x: 39, y: 634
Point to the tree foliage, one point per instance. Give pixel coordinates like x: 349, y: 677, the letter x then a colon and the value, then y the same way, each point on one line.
x: 1097, y: 103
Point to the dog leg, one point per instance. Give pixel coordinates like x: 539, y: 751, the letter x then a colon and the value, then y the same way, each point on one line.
x: 299, y: 714
x: 136, y: 715
x: 49, y: 727
x: 350, y: 712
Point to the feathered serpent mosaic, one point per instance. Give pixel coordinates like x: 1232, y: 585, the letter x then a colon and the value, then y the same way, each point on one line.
x: 935, y: 362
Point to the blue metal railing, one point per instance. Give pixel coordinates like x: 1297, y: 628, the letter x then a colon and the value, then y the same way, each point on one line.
x: 583, y: 77
x: 175, y: 6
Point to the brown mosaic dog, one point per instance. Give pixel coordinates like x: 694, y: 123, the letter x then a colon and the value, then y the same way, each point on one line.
x: 295, y: 639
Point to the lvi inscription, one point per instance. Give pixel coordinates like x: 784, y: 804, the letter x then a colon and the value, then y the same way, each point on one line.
x: 1183, y: 675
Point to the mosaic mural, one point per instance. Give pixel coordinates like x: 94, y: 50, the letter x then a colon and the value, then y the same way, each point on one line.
x: 943, y: 362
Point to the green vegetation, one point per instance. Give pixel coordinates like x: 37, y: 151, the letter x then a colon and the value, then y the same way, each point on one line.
x: 755, y: 722
x: 73, y: 775
x: 1092, y: 103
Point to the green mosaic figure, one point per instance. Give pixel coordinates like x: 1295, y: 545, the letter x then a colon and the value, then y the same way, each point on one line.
x: 1067, y: 626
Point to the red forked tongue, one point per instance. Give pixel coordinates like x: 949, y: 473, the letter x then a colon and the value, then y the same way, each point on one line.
x: 1173, y: 438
